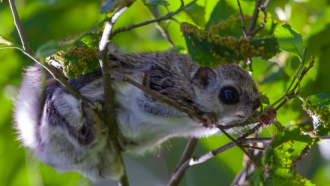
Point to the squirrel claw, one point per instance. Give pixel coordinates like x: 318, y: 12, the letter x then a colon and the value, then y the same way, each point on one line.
x: 211, y: 120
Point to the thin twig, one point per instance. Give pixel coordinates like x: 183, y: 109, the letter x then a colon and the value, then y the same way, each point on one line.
x: 253, y: 147
x: 262, y: 8
x: 197, y: 160
x: 51, y: 69
x: 25, y: 44
x: 293, y: 93
x: 177, y: 175
x: 240, y: 140
x: 242, y: 18
x: 239, y: 145
x: 254, y: 17
x: 303, y: 153
x: 187, y: 153
x: 167, y: 16
x: 266, y: 3
x: 109, y: 94
x: 164, y: 32
x: 247, y: 172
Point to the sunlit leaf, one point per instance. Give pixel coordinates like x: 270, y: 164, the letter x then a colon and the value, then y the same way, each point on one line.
x: 296, y: 180
x: 318, y: 107
x: 264, y: 99
x: 48, y: 48
x: 289, y: 40
x: 196, y: 13
x: 211, y: 50
x: 222, y: 11
x: 157, y: 2
x: 276, y: 75
x: 293, y: 134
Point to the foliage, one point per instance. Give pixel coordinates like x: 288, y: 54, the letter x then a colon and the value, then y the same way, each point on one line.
x: 157, y: 2
x: 209, y: 49
x: 211, y: 32
x: 110, y: 5
x: 282, y: 154
x: 317, y: 106
x: 78, y: 55
x: 289, y: 40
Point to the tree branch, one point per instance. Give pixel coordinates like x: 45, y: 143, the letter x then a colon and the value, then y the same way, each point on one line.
x: 187, y: 153
x: 25, y: 44
x: 293, y: 92
x: 242, y: 18
x: 262, y: 8
x: 239, y: 145
x: 109, y: 94
x: 197, y: 160
x: 160, y: 27
x: 167, y: 16
x: 254, y: 17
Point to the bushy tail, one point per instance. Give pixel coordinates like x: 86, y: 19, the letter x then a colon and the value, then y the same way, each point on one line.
x: 28, y: 106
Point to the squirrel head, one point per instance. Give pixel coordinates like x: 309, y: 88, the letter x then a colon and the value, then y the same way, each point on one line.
x: 228, y: 91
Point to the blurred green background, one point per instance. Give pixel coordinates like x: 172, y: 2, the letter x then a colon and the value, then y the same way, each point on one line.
x: 44, y: 20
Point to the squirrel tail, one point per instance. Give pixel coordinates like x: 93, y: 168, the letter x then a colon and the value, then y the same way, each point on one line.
x: 28, y: 106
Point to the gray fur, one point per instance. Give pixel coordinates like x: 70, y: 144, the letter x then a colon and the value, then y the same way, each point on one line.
x: 67, y: 134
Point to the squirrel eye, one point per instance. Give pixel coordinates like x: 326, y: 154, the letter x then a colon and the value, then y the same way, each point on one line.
x: 229, y: 95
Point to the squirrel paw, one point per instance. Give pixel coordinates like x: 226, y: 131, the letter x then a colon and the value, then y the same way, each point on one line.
x: 211, y: 120
x: 96, y: 106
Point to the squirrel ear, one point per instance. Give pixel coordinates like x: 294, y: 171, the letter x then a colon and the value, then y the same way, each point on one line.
x: 203, y: 76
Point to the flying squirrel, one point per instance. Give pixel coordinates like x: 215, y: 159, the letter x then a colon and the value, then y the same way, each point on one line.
x: 67, y: 134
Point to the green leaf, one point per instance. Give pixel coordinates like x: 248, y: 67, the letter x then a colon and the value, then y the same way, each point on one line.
x: 196, y: 13
x: 157, y: 2
x: 107, y: 6
x: 264, y: 99
x: 318, y: 107
x: 110, y: 5
x: 225, y: 20
x: 79, y: 56
x: 211, y: 50
x: 293, y: 134
x: 222, y: 11
x: 276, y: 76
x: 48, y: 48
x: 228, y: 27
x: 296, y: 180
x: 289, y: 40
